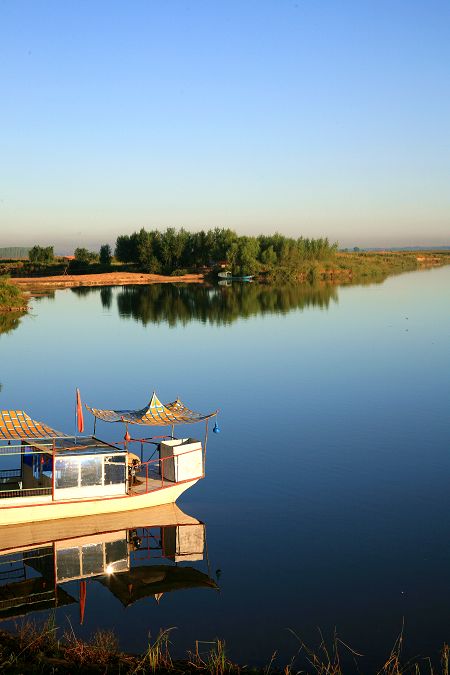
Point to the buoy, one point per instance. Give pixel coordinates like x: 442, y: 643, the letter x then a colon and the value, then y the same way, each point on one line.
x: 216, y: 429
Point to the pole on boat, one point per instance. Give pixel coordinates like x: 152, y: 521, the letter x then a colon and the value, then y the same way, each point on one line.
x: 205, y: 444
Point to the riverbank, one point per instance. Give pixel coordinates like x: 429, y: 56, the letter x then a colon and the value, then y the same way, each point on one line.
x: 35, y: 648
x: 344, y: 267
x: 103, y: 279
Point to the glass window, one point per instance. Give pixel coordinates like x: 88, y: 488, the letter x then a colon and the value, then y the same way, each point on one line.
x: 68, y: 563
x: 114, y: 470
x: 66, y: 473
x: 36, y: 466
x: 115, y: 552
x: 91, y: 471
x: 92, y: 555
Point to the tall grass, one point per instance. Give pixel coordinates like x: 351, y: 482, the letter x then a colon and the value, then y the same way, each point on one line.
x: 36, y: 648
x: 10, y: 296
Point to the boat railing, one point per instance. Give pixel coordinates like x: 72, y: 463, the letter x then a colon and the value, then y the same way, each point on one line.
x: 159, y: 473
x: 25, y: 492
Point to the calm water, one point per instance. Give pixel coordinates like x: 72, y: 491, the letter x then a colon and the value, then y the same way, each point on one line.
x: 327, y: 497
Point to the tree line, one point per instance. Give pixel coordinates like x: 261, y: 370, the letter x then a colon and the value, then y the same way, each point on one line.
x: 165, y: 252
x: 177, y: 251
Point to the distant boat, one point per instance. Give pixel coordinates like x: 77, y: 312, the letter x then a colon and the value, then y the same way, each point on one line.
x: 230, y: 277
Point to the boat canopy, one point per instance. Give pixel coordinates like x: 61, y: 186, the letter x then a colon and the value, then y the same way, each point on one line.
x: 154, y: 414
x: 17, y: 425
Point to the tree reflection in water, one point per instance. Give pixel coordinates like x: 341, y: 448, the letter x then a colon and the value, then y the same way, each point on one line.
x: 217, y: 305
x: 9, y: 321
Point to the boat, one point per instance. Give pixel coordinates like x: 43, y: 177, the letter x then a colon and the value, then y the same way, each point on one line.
x: 135, y: 555
x: 231, y: 277
x: 55, y: 475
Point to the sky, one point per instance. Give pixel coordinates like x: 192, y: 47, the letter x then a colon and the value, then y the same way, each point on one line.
x: 312, y: 117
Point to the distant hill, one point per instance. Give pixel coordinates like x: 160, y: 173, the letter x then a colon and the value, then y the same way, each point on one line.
x: 410, y: 248
x: 14, y: 252
x: 397, y: 248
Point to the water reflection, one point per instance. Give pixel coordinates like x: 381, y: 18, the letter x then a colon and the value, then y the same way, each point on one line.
x: 106, y: 296
x: 219, y: 304
x: 9, y: 321
x: 139, y: 555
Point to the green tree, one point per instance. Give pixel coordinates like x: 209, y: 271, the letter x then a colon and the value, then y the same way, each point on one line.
x: 41, y: 254
x: 243, y: 255
x: 105, y: 254
x: 85, y: 257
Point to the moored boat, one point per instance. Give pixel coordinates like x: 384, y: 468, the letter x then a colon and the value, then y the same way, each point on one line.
x: 233, y: 277
x: 60, y: 476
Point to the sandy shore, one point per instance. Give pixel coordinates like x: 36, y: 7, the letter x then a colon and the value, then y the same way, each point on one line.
x: 106, y: 279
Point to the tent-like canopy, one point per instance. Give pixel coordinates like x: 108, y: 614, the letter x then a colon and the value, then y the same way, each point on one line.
x: 17, y: 425
x: 155, y: 414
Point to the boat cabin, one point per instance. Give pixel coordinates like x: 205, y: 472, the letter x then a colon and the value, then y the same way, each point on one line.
x: 64, y: 469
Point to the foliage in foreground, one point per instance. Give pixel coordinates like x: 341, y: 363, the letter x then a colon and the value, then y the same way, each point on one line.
x: 37, y: 649
x: 10, y: 296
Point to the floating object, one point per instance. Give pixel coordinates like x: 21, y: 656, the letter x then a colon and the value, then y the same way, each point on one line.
x: 56, y: 475
x: 230, y: 277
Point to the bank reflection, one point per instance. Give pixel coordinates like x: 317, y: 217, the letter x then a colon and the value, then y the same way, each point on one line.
x: 218, y: 305
x: 142, y: 554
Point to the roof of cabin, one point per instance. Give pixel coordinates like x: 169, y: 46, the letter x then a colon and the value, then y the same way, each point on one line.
x: 17, y: 425
x: 154, y: 414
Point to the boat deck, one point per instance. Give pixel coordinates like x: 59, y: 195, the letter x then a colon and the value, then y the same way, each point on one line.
x: 141, y: 485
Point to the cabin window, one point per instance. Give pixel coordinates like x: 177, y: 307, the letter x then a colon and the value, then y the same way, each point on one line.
x: 36, y: 467
x: 91, y: 471
x: 114, y: 470
x: 68, y: 563
x: 92, y: 559
x: 116, y: 554
x: 66, y: 474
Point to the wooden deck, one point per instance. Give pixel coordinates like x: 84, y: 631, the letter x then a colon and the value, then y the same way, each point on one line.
x: 141, y: 485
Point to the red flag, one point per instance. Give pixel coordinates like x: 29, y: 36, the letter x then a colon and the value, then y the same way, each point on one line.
x: 80, y: 420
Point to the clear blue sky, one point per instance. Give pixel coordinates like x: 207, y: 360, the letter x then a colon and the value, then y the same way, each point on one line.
x: 314, y: 117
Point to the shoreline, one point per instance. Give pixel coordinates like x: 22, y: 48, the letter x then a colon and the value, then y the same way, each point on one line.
x: 38, y: 648
x: 345, y: 268
x: 104, y: 279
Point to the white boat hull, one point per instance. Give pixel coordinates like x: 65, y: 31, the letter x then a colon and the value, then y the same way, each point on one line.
x: 15, y: 511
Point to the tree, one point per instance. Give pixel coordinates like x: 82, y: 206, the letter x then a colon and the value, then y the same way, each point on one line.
x: 105, y: 254
x: 242, y: 255
x: 41, y: 254
x: 85, y: 257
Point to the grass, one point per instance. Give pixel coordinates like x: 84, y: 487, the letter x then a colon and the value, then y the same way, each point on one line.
x: 35, y: 648
x: 11, y: 297
x: 359, y: 266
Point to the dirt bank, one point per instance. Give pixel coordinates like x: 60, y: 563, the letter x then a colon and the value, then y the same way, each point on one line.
x: 106, y: 279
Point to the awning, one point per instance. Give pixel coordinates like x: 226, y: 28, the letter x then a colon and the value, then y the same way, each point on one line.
x: 155, y: 414
x: 17, y: 425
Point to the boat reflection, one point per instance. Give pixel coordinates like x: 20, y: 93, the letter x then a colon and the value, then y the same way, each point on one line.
x: 135, y: 555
